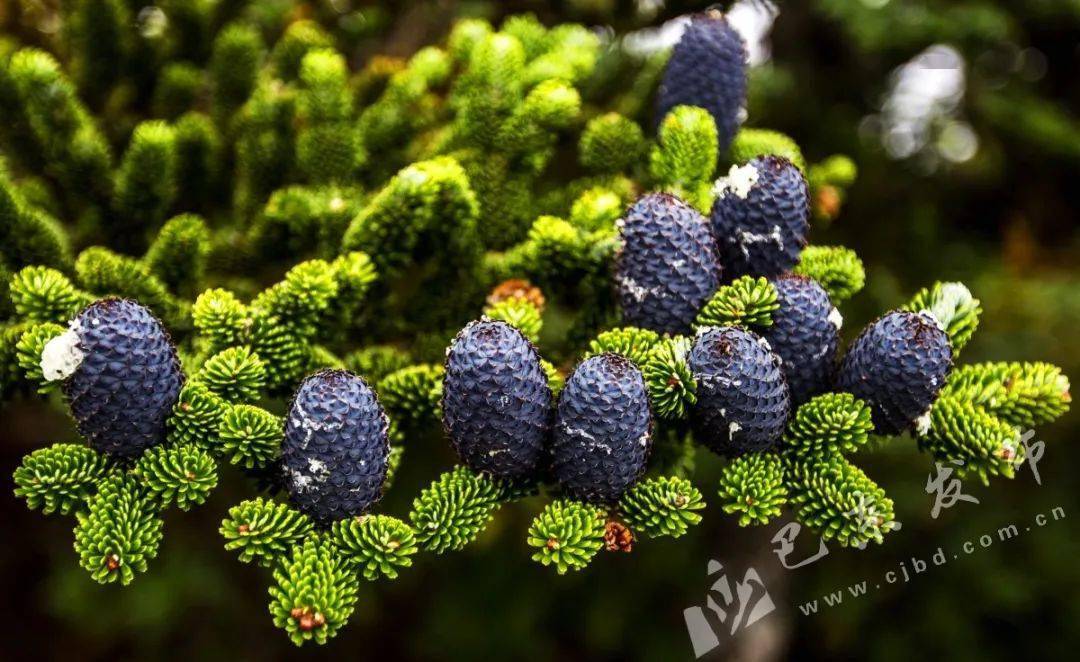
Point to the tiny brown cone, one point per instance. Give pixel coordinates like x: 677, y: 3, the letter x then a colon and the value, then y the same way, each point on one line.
x: 517, y: 288
x: 618, y: 537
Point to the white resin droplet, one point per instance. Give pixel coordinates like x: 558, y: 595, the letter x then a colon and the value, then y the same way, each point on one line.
x: 836, y: 318
x: 61, y: 356
x: 922, y: 423
x: 739, y: 181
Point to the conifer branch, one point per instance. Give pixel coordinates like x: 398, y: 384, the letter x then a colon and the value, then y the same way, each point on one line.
x: 662, y: 506
x: 119, y: 532
x: 263, y: 530
x: 59, y: 478
x: 567, y: 534
x: 836, y: 268
x: 746, y: 301
x: 753, y: 486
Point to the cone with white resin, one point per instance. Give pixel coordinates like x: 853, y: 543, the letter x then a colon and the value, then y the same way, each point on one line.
x: 120, y: 374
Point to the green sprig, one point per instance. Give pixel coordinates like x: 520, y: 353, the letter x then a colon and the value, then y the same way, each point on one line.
x: 41, y: 294
x: 567, y: 534
x: 837, y: 500
x: 519, y: 313
x: 183, y: 474
x: 236, y: 374
x: 753, y: 486
x: 629, y: 341
x: 60, y: 478
x: 829, y: 423
x: 196, y: 415
x: 662, y: 506
x: 378, y: 544
x: 413, y: 393
x: 1023, y: 394
x: 263, y: 530
x: 746, y: 301
x: 454, y: 509
x: 314, y: 591
x: 249, y: 436
x: 839, y: 270
x: 29, y: 348
x: 970, y: 440
x: 119, y: 532
x: 672, y: 389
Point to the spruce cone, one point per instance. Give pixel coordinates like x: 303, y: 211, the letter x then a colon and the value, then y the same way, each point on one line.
x: 742, y: 396
x: 336, y: 450
x: 121, y: 375
x: 898, y: 364
x: 496, y: 402
x: 603, y: 429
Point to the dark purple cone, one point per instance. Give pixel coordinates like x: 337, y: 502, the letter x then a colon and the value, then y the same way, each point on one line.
x: 667, y: 267
x: 804, y: 333
x: 707, y: 69
x: 603, y: 430
x: 898, y: 364
x: 742, y: 396
x: 336, y: 451
x: 123, y: 390
x: 497, y: 406
x: 761, y: 217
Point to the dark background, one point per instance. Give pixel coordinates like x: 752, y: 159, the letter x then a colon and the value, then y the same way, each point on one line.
x: 1003, y: 221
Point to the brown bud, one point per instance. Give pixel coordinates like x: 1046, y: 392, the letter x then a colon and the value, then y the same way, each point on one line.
x: 827, y: 201
x: 516, y: 288
x: 112, y: 562
x: 306, y: 619
x: 618, y: 537
x: 243, y: 528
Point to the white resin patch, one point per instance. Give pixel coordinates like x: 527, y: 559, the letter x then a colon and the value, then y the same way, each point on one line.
x: 577, y: 432
x: 638, y: 292
x: 1062, y: 384
x: 739, y: 181
x: 747, y: 238
x: 764, y: 343
x: 836, y: 318
x: 732, y: 429
x: 301, y: 481
x: 319, y: 471
x: 922, y: 423
x: 61, y: 356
